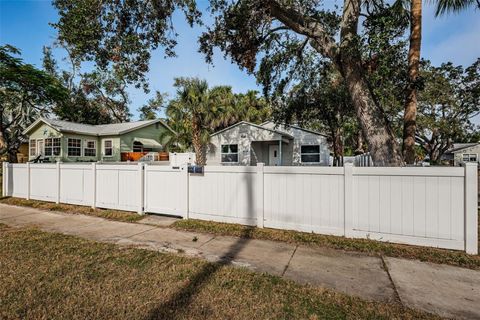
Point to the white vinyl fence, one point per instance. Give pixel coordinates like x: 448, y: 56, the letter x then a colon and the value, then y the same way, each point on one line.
x: 428, y: 206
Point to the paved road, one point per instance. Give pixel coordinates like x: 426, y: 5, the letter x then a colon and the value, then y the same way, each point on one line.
x: 444, y: 290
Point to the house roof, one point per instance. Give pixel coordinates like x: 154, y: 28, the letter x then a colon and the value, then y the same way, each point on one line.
x: 297, y: 127
x: 95, y: 130
x: 281, y: 133
x: 460, y: 146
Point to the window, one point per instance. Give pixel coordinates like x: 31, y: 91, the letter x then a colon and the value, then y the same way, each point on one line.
x: 137, y: 146
x: 33, y: 148
x: 229, y: 152
x: 52, y: 147
x: 310, y: 154
x: 472, y: 157
x: 74, y: 147
x: 108, y: 148
x: 90, y: 149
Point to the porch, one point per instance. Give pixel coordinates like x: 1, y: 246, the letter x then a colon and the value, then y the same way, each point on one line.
x: 272, y: 152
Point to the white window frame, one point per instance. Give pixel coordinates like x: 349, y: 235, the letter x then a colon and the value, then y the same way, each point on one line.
x: 105, y: 147
x: 32, y: 146
x: 469, y: 155
x: 229, y: 152
x: 68, y: 148
x: 53, y: 147
x: 310, y: 154
x: 85, y: 148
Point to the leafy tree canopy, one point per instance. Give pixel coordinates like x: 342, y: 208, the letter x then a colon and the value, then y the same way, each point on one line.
x: 25, y: 94
x: 449, y: 101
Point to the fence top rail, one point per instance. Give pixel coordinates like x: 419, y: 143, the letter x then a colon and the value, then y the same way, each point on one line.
x: 75, y: 166
x: 42, y: 165
x: 304, y: 170
x: 17, y: 165
x: 116, y: 167
x: 149, y: 167
x: 410, y: 171
x: 232, y: 169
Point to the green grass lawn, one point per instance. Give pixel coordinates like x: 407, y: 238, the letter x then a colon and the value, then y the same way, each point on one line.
x: 117, y: 215
x: 47, y: 275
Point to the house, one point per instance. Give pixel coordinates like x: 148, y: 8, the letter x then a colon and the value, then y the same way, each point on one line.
x: 57, y: 140
x: 462, y: 152
x: 246, y: 143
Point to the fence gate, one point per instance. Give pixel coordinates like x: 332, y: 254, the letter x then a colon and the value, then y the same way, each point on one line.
x: 166, y: 190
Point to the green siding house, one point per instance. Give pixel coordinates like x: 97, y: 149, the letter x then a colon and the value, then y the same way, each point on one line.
x: 57, y: 140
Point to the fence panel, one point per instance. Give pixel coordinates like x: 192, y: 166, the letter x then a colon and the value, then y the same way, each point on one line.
x: 43, y: 182
x: 304, y: 199
x: 166, y: 190
x: 17, y: 180
x: 422, y: 206
x: 118, y: 187
x: 76, y: 182
x: 224, y: 194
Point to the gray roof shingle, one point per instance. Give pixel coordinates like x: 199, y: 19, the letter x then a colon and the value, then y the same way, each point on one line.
x: 95, y: 130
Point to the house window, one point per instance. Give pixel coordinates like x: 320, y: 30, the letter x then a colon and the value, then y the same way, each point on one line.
x: 33, y: 148
x: 469, y: 157
x: 74, y: 147
x: 52, y: 146
x: 137, y: 146
x: 90, y: 149
x: 108, y: 148
x: 310, y: 153
x: 229, y: 152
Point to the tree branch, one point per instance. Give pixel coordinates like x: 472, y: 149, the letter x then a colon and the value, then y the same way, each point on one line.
x: 306, y: 26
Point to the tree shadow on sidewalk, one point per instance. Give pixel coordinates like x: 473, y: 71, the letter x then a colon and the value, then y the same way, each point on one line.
x: 178, y: 304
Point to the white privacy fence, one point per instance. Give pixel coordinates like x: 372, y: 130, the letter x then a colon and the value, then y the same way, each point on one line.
x: 432, y: 206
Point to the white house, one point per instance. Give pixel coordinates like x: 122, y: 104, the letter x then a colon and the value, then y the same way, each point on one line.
x: 462, y: 152
x: 246, y: 143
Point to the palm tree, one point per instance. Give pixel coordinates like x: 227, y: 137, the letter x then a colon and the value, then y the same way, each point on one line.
x: 192, y: 109
x: 410, y: 108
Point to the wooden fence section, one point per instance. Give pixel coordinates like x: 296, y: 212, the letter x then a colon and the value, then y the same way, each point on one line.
x: 429, y: 206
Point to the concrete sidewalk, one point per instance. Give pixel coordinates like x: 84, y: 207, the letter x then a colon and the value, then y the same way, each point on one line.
x: 444, y: 290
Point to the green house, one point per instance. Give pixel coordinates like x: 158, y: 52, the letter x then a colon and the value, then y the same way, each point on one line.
x: 57, y: 140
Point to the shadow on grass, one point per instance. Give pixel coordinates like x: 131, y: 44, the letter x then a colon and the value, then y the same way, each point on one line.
x: 177, y: 305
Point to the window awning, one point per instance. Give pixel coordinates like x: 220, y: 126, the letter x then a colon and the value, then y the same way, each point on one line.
x: 148, y: 143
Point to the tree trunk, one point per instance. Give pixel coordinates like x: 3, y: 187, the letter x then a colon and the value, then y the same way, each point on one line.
x: 337, y: 147
x: 410, y: 113
x: 200, y: 156
x: 359, y: 144
x: 373, y: 122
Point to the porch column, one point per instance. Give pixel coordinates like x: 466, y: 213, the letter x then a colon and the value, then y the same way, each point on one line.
x: 280, y: 152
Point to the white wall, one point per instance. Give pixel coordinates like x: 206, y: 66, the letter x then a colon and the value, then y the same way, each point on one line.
x: 429, y: 206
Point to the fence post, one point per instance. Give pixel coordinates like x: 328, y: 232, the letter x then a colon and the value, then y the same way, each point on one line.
x: 348, y: 198
x: 28, y: 180
x: 94, y: 185
x: 140, y: 188
x: 187, y: 191
x: 260, y: 195
x: 471, y: 208
x: 4, y: 178
x: 57, y: 201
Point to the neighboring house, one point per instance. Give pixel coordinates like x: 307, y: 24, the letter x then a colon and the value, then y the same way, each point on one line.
x: 58, y: 140
x: 462, y: 152
x: 246, y: 143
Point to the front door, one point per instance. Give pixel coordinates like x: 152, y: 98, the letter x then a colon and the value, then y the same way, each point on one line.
x: 39, y: 147
x: 273, y: 155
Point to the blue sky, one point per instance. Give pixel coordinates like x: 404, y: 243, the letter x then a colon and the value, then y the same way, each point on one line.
x: 24, y: 24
